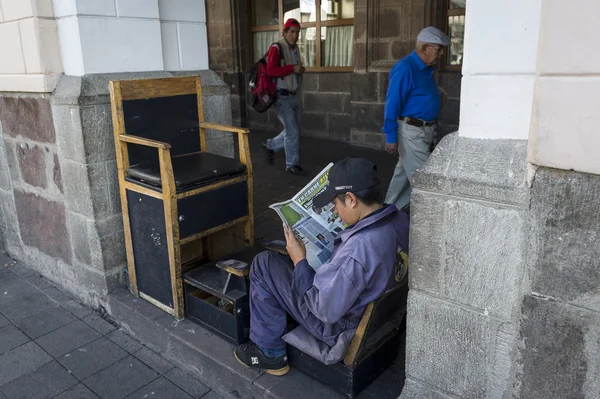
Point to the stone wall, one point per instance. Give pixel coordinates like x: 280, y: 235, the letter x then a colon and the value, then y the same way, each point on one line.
x: 61, y: 210
x: 345, y: 106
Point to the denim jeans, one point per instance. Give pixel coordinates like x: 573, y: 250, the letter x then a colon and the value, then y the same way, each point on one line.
x: 413, y: 148
x: 289, y: 112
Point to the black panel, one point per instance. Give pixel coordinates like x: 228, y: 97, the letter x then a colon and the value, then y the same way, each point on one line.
x: 170, y: 119
x: 212, y: 208
x: 148, y: 234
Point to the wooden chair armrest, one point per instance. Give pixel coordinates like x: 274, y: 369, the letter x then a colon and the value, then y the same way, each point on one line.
x: 224, y: 128
x: 143, y: 141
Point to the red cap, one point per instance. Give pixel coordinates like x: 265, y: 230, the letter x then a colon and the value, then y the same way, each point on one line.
x: 291, y: 22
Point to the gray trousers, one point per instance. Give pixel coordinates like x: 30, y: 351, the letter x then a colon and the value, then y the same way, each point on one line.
x: 413, y: 148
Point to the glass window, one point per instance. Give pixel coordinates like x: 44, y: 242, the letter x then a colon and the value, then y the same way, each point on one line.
x: 336, y: 32
x: 265, y: 12
x: 456, y: 32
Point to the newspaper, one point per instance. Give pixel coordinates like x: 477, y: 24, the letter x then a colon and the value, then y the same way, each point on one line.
x: 316, y: 228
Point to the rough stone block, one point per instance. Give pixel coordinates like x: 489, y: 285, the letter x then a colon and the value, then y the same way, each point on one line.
x: 43, y: 225
x: 340, y: 127
x: 86, y: 188
x: 80, y: 238
x: 561, y: 362
x: 114, y: 193
x: 113, y: 250
x: 335, y: 82
x: 32, y: 163
x: 415, y: 390
x: 432, y: 175
x: 7, y: 203
x: 69, y: 136
x: 388, y: 23
x: 565, y: 215
x: 28, y: 117
x: 447, y: 346
x: 5, y: 183
x: 368, y: 117
x: 364, y: 87
x: 97, y: 131
x: 484, y: 256
x: 310, y: 82
x: 317, y: 102
x: 56, y: 174
x: 109, y: 225
x: 367, y: 139
x: 427, y: 216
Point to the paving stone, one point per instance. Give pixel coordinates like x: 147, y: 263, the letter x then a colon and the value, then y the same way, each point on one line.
x: 153, y: 360
x: 68, y: 338
x: 77, y: 392
x: 160, y: 388
x: 212, y: 395
x: 188, y: 383
x: 96, y: 321
x: 22, y: 271
x: 20, y: 361
x: 92, y: 357
x: 121, y: 379
x: 2, y: 396
x: 7, y: 278
x: 10, y: 338
x: 67, y: 302
x: 39, y: 281
x: 125, y: 341
x: 44, y: 322
x: 42, y: 383
x: 295, y: 385
x: 3, y: 320
x: 21, y: 300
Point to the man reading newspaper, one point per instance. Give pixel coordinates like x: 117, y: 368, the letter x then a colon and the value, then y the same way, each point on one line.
x: 327, y: 303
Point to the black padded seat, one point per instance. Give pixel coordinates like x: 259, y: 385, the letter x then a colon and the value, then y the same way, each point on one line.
x: 189, y: 170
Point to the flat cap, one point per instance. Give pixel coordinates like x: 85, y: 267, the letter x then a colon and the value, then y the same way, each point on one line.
x: 433, y: 35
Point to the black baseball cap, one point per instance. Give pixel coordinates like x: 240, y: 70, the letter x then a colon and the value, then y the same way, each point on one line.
x: 350, y: 175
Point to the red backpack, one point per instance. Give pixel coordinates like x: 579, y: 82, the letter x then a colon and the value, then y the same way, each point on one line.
x: 263, y: 88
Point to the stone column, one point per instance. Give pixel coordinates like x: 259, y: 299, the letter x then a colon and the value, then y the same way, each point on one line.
x: 470, y: 218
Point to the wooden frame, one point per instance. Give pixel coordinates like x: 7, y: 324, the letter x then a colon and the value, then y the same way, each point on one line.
x: 449, y: 13
x: 305, y: 25
x: 155, y: 88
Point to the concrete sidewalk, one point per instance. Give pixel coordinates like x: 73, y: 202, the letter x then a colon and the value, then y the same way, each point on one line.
x: 53, y: 347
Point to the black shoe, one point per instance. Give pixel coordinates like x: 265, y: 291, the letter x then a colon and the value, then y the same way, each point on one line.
x: 269, y: 153
x: 251, y: 356
x: 296, y: 170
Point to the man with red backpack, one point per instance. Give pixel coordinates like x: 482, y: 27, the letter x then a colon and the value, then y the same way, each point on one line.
x: 285, y: 65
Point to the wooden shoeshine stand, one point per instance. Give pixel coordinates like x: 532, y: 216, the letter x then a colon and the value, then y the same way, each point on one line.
x: 184, y: 208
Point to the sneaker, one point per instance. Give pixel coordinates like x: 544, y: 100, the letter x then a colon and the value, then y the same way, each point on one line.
x: 251, y: 356
x: 296, y: 170
x: 269, y: 153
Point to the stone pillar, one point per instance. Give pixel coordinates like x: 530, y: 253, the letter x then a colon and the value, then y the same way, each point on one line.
x: 504, y: 284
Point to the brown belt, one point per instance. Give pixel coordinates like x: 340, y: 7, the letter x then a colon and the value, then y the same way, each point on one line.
x: 416, y: 122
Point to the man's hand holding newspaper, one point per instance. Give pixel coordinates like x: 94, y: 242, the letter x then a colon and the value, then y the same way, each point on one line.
x: 315, y: 228
x: 295, y: 248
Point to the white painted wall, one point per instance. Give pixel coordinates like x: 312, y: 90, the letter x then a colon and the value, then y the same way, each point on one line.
x: 565, y: 130
x: 29, y: 47
x: 102, y: 36
x: 499, y: 68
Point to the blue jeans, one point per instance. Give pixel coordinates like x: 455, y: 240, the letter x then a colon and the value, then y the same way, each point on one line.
x: 289, y: 112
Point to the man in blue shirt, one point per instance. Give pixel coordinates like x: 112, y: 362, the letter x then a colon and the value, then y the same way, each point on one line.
x: 412, y: 105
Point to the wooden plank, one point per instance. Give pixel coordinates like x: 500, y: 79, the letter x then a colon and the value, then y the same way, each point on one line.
x: 142, y: 190
x: 244, y: 148
x: 338, y: 22
x: 355, y: 345
x: 158, y: 304
x: 222, y: 183
x: 172, y: 231
x: 208, y: 232
x: 224, y: 128
x: 154, y: 88
x: 329, y: 69
x: 318, y: 34
x: 122, y: 165
x: 201, y: 114
x: 128, y: 138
